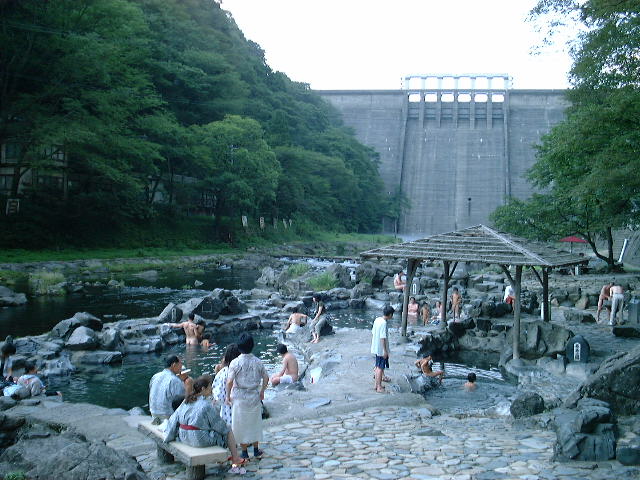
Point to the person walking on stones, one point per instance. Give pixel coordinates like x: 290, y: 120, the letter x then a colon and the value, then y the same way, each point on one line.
x: 380, y: 345
x: 246, y: 382
x: 617, y: 302
x: 197, y: 423
x: 220, y: 382
x: 164, y: 386
x: 605, y: 296
x: 319, y: 319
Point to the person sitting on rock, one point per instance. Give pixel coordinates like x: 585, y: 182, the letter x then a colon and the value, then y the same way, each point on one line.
x: 295, y: 321
x: 289, y: 372
x: 164, y: 386
x: 191, y: 329
x: 470, y: 386
x: 424, y: 364
x: 32, y: 383
x: 196, y: 422
x: 437, y: 313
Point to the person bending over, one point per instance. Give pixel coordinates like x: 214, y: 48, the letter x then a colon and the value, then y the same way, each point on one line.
x: 424, y: 364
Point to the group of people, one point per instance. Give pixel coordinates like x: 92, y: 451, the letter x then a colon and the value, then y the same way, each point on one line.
x: 26, y: 385
x: 194, y: 331
x: 318, y: 320
x: 434, y: 315
x: 225, y: 410
x: 612, y: 298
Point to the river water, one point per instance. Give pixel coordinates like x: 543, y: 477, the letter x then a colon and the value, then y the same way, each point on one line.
x: 126, y: 385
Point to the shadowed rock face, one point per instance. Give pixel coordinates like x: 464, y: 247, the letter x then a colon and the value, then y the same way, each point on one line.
x: 617, y: 382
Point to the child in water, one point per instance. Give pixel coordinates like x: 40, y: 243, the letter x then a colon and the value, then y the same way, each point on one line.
x: 470, y: 386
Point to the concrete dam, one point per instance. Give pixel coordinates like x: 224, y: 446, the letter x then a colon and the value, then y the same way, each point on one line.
x: 456, y: 154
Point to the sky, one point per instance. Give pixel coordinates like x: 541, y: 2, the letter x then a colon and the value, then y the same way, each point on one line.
x: 373, y: 44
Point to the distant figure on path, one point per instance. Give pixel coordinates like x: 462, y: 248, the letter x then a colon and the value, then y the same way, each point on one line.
x: 605, y: 295
x: 289, y: 372
x: 191, y: 330
x: 295, y: 321
x: 380, y: 345
x: 163, y: 387
x: 412, y: 311
x: 509, y: 294
x: 398, y: 282
x: 424, y: 364
x: 456, y: 303
x: 470, y: 386
x: 617, y: 302
x: 196, y: 422
x: 319, y: 319
x: 246, y: 382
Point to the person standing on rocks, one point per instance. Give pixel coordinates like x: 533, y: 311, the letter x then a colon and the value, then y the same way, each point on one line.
x: 319, y: 319
x: 164, y: 386
x: 191, y: 329
x: 617, y: 302
x: 605, y: 295
x: 220, y: 382
x: 456, y: 303
x: 289, y: 372
x: 380, y: 345
x: 246, y: 382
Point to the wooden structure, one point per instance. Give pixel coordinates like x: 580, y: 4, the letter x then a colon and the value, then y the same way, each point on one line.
x: 480, y: 244
x: 195, y: 458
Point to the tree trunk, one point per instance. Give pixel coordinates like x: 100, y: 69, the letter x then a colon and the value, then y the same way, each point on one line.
x: 610, y: 259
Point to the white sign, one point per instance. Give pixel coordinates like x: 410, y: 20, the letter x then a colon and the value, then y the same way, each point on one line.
x: 245, y: 222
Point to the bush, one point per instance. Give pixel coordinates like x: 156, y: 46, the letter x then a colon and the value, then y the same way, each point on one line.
x: 323, y: 281
x: 15, y: 476
x: 41, y: 283
x: 298, y: 269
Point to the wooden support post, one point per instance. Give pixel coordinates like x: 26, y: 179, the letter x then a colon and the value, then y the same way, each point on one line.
x: 445, y: 295
x: 516, y: 313
x: 195, y: 473
x: 412, y: 266
x: 164, y: 456
x: 545, y: 295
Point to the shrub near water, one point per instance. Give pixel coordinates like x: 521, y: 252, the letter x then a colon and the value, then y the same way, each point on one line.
x: 42, y: 283
x: 298, y: 269
x: 323, y: 281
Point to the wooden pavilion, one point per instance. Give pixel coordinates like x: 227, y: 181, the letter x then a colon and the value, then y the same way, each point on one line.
x: 480, y: 244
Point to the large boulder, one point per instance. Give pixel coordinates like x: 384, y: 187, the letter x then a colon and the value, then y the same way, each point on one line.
x: 617, y: 381
x: 421, y: 384
x: 110, y: 339
x: 219, y: 302
x: 82, y: 338
x: 9, y: 298
x: 64, y: 328
x: 527, y: 404
x: 67, y: 456
x: 361, y: 290
x: 539, y: 338
x: 577, y: 316
x: 97, y: 357
x: 342, y: 275
x: 267, y: 277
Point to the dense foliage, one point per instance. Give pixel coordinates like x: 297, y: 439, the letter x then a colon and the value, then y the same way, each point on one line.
x: 587, y: 167
x: 162, y: 108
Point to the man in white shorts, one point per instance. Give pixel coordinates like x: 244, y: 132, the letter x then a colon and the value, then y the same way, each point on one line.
x: 289, y: 372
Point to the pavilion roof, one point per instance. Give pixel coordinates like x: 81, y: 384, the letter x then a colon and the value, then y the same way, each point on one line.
x: 479, y: 244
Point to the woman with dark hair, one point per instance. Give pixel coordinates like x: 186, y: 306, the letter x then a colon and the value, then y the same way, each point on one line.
x: 319, y: 319
x: 246, y: 382
x: 196, y: 422
x: 220, y: 382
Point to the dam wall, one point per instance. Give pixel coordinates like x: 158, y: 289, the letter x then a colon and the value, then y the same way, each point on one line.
x: 456, y: 155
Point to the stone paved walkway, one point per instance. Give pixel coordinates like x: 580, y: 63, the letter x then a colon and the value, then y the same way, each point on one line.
x: 404, y: 442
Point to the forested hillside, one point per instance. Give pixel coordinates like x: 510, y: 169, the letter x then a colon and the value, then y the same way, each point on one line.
x: 119, y: 119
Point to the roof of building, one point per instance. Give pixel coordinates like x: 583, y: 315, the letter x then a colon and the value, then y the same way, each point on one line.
x: 479, y: 244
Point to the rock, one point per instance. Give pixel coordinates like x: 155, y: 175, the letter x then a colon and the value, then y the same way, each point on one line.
x: 218, y: 302
x: 583, y: 302
x: 149, y: 275
x: 167, y: 315
x: 317, y: 402
x: 143, y: 345
x: 68, y: 456
x: 115, y: 283
x: 617, y: 381
x: 9, y: 298
x: 374, y: 304
x: 110, y: 339
x: 583, y: 434
x: 267, y: 277
x: 135, y: 411
x: 539, y: 338
x: 342, y: 275
x: 291, y: 306
x: 421, y: 384
x: 82, y: 338
x: 526, y: 405
x: 626, y: 331
x: 6, y: 403
x: 578, y: 350
x: 97, y: 357
x: 58, y: 366
x: 64, y: 328
x: 197, y: 283
x: 571, y: 315
x: 628, y: 455
x: 260, y: 293
x: 357, y: 303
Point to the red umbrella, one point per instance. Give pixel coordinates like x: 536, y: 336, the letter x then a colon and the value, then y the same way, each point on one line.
x: 572, y: 239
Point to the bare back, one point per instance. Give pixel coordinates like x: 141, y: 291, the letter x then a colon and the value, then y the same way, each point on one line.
x: 616, y: 289
x: 290, y: 365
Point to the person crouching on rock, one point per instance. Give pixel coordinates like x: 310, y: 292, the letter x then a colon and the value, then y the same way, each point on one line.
x: 197, y: 423
x: 424, y: 364
x: 289, y: 372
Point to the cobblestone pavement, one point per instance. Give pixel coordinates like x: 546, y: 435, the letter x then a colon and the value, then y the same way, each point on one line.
x: 406, y: 443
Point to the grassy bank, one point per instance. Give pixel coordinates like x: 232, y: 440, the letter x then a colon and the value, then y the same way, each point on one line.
x: 336, y: 240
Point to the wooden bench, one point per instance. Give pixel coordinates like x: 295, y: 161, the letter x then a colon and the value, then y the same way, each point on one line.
x: 195, y: 458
